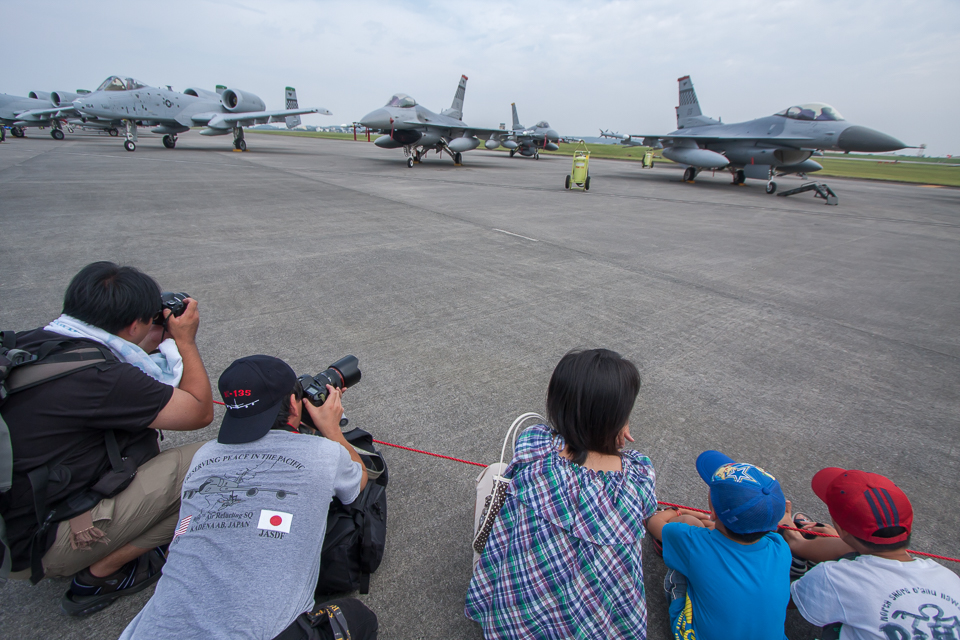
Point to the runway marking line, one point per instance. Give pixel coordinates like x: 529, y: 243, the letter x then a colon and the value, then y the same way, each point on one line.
x: 517, y: 235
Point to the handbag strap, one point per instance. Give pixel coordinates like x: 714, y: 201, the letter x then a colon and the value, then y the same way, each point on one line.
x: 514, y: 431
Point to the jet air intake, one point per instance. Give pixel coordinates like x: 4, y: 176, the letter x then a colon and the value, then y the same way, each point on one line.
x: 695, y: 157
x: 237, y: 101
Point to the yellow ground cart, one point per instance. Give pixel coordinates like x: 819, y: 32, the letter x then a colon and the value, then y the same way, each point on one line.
x: 579, y: 177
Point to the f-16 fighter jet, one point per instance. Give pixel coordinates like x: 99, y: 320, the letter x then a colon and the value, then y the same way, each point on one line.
x: 416, y: 129
x: 529, y: 142
x: 171, y: 113
x: 758, y: 149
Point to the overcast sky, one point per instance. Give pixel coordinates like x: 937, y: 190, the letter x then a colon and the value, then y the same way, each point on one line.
x: 889, y: 65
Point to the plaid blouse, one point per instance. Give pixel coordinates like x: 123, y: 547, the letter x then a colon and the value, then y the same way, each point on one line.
x: 563, y: 559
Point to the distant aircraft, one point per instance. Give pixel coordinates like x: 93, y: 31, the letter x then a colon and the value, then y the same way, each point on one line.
x: 38, y: 109
x: 528, y: 142
x: 417, y: 130
x: 172, y: 113
x: 759, y: 149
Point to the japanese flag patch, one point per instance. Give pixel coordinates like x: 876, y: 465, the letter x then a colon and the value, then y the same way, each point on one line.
x: 275, y: 520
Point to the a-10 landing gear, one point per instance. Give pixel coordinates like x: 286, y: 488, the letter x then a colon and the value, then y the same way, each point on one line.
x: 130, y: 143
x: 17, y: 132
x: 170, y: 141
x: 239, y: 144
x: 56, y: 132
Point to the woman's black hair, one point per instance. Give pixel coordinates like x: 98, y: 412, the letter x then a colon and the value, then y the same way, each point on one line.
x: 111, y: 297
x: 589, y: 400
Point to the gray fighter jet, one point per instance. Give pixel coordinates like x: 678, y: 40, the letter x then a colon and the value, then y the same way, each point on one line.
x: 38, y: 109
x: 529, y: 142
x: 417, y: 130
x: 759, y: 149
x: 171, y: 113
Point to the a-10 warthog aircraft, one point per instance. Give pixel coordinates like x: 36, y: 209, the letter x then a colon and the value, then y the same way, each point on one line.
x: 172, y: 113
x: 529, y: 142
x: 759, y: 149
x: 416, y: 129
x: 39, y: 109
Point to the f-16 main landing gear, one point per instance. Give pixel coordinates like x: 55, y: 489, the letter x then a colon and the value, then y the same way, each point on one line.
x: 238, y: 142
x: 512, y: 151
x: 130, y: 144
x: 689, y: 174
x: 169, y: 141
x: 739, y: 177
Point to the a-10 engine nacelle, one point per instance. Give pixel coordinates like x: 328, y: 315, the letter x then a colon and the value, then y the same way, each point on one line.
x: 201, y: 93
x: 237, y: 101
x: 39, y: 95
x: 59, y: 98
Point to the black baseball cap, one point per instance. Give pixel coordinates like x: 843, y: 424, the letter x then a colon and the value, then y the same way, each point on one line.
x: 253, y: 390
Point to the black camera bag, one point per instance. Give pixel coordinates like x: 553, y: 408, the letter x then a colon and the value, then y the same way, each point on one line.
x: 356, y: 533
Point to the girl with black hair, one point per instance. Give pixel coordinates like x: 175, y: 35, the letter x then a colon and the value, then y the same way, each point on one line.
x: 564, y: 557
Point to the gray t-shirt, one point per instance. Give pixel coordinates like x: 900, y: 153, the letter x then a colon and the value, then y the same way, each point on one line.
x: 246, y: 552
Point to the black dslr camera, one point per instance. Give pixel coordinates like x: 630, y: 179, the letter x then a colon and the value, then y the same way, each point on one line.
x: 176, y: 302
x: 342, y: 374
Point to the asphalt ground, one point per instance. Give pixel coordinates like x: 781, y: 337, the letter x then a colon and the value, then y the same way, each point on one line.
x: 782, y: 331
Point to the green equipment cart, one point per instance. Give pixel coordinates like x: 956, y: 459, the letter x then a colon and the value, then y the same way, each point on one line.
x: 579, y: 177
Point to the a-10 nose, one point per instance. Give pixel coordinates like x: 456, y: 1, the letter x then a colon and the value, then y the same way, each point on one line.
x: 856, y: 138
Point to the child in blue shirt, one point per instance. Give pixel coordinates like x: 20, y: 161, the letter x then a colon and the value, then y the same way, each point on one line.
x: 729, y: 573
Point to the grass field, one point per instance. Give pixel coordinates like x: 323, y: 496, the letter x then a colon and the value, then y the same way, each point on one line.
x: 939, y: 171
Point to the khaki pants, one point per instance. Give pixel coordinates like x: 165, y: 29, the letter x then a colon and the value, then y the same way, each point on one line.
x: 144, y: 515
x: 484, y: 487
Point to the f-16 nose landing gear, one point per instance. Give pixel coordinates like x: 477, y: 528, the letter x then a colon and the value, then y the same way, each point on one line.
x: 239, y: 144
x: 771, y: 186
x: 410, y: 162
x: 169, y: 141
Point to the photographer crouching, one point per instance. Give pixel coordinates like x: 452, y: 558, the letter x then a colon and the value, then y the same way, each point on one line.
x: 92, y: 496
x: 245, y: 556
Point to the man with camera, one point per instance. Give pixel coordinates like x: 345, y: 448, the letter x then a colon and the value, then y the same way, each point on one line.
x: 92, y: 495
x: 245, y: 557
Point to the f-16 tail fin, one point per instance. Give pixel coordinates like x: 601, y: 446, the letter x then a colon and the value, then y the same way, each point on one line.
x: 688, y: 109
x: 516, y: 119
x: 456, y: 109
x: 291, y: 103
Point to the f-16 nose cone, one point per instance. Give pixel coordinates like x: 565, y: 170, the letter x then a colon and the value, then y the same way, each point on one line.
x: 379, y: 119
x: 866, y: 139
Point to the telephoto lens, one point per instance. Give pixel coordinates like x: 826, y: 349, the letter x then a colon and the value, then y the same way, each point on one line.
x: 342, y: 374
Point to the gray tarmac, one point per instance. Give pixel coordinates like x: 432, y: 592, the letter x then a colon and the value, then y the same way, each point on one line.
x: 781, y: 331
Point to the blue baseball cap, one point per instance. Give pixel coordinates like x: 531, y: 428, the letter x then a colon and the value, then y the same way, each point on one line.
x: 253, y: 390
x: 745, y: 498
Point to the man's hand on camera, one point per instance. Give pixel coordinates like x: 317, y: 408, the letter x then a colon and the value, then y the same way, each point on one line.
x: 327, y: 416
x: 153, y: 339
x: 183, y: 329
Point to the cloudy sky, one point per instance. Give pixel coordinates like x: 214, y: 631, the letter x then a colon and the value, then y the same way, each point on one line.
x: 889, y: 65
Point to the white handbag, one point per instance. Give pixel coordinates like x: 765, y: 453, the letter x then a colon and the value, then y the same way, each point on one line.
x: 498, y: 495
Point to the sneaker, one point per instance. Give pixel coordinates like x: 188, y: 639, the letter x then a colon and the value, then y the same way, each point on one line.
x: 88, y: 593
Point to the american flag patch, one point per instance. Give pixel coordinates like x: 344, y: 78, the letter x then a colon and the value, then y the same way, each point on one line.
x: 182, y: 527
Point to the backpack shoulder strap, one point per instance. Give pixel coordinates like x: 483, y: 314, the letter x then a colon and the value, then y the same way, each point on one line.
x: 56, y: 359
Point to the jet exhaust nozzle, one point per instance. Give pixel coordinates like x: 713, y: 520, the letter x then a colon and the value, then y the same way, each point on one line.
x: 703, y: 158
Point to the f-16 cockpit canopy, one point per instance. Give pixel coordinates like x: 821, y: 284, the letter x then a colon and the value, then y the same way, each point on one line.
x: 401, y: 100
x: 116, y: 83
x: 543, y: 124
x: 811, y: 111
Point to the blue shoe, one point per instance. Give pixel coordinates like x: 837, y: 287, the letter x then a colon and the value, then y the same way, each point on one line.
x: 88, y: 593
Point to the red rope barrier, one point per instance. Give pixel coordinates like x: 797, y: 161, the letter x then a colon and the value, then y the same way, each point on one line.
x: 665, y: 504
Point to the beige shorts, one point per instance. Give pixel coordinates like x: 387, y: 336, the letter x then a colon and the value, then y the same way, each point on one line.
x: 144, y: 515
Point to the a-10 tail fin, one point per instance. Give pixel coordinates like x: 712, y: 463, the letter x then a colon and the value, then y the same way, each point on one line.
x: 688, y: 109
x: 456, y: 108
x: 516, y: 119
x: 291, y: 103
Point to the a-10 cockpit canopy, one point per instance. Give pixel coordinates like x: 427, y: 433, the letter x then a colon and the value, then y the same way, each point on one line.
x: 543, y: 124
x: 116, y: 83
x: 811, y: 111
x: 401, y: 100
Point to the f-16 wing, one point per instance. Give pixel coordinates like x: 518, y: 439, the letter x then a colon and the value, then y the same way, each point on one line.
x: 250, y: 118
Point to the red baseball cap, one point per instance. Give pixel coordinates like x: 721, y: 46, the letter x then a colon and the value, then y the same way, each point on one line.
x: 865, y: 504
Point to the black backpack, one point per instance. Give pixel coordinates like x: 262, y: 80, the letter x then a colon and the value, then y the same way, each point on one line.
x: 357, y: 532
x: 21, y: 370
